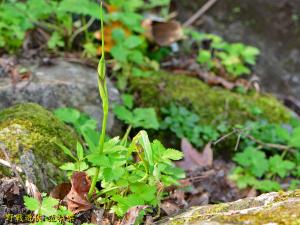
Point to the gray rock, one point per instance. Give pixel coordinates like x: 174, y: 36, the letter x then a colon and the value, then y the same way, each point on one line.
x: 63, y: 84
x: 271, y: 208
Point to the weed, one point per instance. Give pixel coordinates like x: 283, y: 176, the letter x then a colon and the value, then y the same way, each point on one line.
x: 218, y: 55
x: 270, y: 154
x: 130, y: 174
x: 186, y: 124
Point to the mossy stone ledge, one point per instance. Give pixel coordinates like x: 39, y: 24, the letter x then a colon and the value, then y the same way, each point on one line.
x: 280, y: 208
x: 212, y: 104
x: 29, y: 133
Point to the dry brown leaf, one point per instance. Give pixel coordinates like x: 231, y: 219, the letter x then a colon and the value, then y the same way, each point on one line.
x: 193, y: 158
x: 199, y: 199
x: 32, y: 190
x: 77, y: 198
x: 162, y: 33
x: 169, y: 207
x: 132, y: 214
x: 60, y: 191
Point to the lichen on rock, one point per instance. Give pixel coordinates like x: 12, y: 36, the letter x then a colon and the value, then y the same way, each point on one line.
x: 280, y: 208
x: 29, y: 132
x: 212, y: 104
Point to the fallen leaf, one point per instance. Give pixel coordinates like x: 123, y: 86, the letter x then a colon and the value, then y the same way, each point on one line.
x: 77, y: 197
x: 169, y: 208
x: 199, y: 199
x: 132, y: 214
x: 162, y: 33
x: 193, y: 158
x: 60, y: 191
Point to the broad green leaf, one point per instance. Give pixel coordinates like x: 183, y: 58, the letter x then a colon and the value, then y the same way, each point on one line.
x: 141, y: 73
x: 172, y: 154
x: 127, y: 100
x: 144, y: 141
x: 133, y: 41
x: 118, y: 35
x: 55, y: 41
x: 267, y: 185
x: 68, y: 166
x: 80, y: 151
x: 31, y: 203
x: 204, y: 56
x: 295, y: 138
x: 98, y: 159
x: 67, y: 115
x: 119, y: 53
x: 279, y: 166
x: 91, y: 137
x: 123, y: 114
x: 145, y: 117
x: 66, y: 151
x: 136, y: 57
x: 48, y: 204
x: 254, y: 160
x: 81, y: 7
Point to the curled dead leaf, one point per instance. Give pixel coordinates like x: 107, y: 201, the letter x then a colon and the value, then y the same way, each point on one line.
x: 60, y: 191
x: 162, y: 33
x: 77, y: 197
x: 193, y: 158
x: 169, y: 208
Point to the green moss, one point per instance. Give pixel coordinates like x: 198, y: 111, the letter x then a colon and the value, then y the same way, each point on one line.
x: 282, y: 196
x: 267, y: 209
x: 285, y: 214
x: 213, y: 104
x: 27, y: 127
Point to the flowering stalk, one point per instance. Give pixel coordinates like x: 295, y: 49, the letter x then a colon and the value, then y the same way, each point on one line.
x: 105, y: 102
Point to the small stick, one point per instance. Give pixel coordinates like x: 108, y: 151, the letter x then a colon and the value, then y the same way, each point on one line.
x: 199, y: 13
x: 7, y: 164
x: 13, y: 167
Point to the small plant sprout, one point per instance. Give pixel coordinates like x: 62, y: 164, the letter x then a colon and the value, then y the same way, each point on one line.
x: 105, y: 103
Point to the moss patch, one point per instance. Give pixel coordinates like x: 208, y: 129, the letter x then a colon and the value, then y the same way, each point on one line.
x: 212, y: 104
x: 285, y: 214
x: 30, y: 127
x: 269, y: 208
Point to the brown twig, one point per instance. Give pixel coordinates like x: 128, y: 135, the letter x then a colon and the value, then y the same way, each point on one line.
x: 241, y: 133
x: 13, y: 167
x: 268, y: 145
x: 199, y: 13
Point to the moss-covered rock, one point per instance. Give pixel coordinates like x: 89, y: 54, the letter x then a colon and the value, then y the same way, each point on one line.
x: 271, y: 208
x: 29, y: 132
x: 212, y: 104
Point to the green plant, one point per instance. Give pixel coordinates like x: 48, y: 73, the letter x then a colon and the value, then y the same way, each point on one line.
x: 218, y: 55
x: 128, y: 46
x: 49, y: 211
x: 130, y: 174
x: 270, y: 154
x: 186, y: 124
x: 136, y: 117
x: 54, y: 17
x: 80, y: 121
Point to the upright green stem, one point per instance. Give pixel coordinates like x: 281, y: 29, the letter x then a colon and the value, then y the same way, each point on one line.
x: 125, y: 137
x: 105, y: 104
